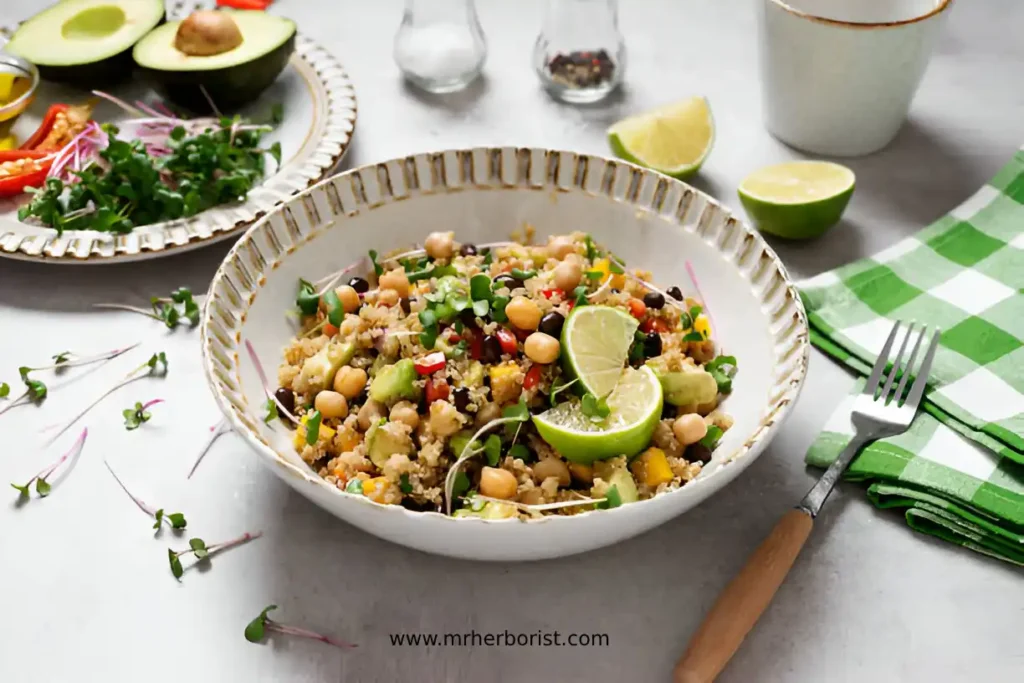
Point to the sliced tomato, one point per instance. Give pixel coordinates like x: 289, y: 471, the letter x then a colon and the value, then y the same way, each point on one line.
x: 637, y: 308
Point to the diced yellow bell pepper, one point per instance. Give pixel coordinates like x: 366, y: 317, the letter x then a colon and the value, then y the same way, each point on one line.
x: 604, y: 266
x: 702, y: 325
x: 348, y: 439
x: 325, y: 433
x: 376, y: 488
x: 505, y: 382
x: 656, y: 468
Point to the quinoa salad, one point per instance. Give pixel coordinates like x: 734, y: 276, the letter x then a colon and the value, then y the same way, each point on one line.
x: 502, y: 380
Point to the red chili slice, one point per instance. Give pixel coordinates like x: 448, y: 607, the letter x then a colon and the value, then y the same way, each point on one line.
x: 532, y: 377
x: 430, y: 363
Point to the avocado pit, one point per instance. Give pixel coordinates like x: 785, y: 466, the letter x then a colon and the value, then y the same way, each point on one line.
x: 206, y: 33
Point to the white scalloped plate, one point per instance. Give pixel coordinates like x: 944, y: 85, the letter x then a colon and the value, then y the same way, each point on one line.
x: 320, y: 116
x: 648, y: 219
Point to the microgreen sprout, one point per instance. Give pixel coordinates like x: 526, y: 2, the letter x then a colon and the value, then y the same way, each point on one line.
x: 177, y: 309
x: 203, y: 551
x: 266, y: 385
x: 722, y: 368
x: 271, y: 409
x: 377, y: 268
x: 313, y: 420
x: 216, y: 431
x: 175, y: 520
x: 134, y: 417
x: 5, y: 389
x: 156, y: 366
x: 61, y: 358
x: 41, y: 479
x: 262, y: 624
x: 595, y: 408
x: 557, y: 387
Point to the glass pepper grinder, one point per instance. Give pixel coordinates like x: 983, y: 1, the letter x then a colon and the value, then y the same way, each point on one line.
x: 580, y: 55
x: 440, y: 46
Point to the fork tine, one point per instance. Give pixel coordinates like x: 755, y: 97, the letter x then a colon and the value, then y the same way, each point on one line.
x: 896, y: 364
x: 910, y: 364
x: 914, y: 397
x: 883, y: 356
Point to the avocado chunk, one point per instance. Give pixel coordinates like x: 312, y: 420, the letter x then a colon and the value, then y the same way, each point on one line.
x: 622, y: 480
x: 183, y: 58
x: 395, y: 382
x: 319, y: 369
x: 682, y: 383
x: 486, y: 510
x: 87, y: 43
x: 384, y: 440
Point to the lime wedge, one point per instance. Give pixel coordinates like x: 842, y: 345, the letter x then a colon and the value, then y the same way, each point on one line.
x: 595, y: 344
x: 635, y: 406
x: 673, y: 139
x: 797, y: 199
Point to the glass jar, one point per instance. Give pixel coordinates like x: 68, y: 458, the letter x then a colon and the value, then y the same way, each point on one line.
x: 579, y: 55
x: 439, y: 45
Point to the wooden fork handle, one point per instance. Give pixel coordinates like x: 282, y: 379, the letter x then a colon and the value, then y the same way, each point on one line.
x: 741, y: 603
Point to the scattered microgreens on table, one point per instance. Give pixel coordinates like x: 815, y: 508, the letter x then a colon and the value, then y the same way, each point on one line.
x: 180, y: 308
x: 257, y: 629
x: 203, y: 552
x: 175, y: 520
x: 216, y: 431
x: 135, y: 417
x: 41, y: 479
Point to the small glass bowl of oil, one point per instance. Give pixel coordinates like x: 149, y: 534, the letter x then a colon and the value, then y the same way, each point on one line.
x: 16, y: 93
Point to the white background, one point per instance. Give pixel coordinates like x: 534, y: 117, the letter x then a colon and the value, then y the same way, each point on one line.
x: 85, y: 593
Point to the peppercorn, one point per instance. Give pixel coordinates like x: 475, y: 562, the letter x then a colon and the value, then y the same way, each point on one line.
x: 652, y: 344
x: 359, y: 284
x: 551, y: 324
x: 490, y: 350
x: 286, y: 398
x: 506, y: 280
x: 461, y: 398
x: 468, y: 250
x: 675, y: 293
x: 654, y: 300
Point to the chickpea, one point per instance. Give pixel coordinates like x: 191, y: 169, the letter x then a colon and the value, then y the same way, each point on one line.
x: 560, y: 246
x: 404, y: 411
x: 532, y: 497
x: 388, y: 297
x: 396, y: 280
x: 370, y: 414
x: 444, y: 418
x: 568, y: 275
x: 349, y: 298
x: 349, y: 381
x: 523, y: 313
x: 498, y: 483
x: 488, y: 412
x: 542, y: 348
x: 689, y: 428
x: 582, y: 473
x: 440, y: 245
x: 331, y: 404
x: 551, y: 467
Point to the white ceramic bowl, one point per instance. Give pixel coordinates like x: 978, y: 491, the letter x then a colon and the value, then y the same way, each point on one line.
x: 484, y: 194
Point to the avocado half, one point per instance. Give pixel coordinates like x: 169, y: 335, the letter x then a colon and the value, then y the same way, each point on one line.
x: 86, y: 43
x: 231, y: 78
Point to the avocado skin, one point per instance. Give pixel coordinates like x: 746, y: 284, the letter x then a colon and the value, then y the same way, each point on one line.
x: 229, y: 87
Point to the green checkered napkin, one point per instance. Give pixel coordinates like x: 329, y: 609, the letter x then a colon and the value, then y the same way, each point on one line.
x: 959, y: 470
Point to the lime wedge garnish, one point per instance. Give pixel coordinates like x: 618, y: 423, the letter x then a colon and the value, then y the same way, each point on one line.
x: 797, y: 199
x: 595, y: 345
x: 673, y: 139
x: 635, y: 406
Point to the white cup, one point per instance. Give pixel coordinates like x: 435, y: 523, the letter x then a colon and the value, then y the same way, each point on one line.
x: 838, y: 76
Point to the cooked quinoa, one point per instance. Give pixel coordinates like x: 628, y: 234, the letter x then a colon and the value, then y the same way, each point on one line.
x: 402, y: 359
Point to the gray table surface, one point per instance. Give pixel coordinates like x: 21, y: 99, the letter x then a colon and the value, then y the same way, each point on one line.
x: 85, y: 591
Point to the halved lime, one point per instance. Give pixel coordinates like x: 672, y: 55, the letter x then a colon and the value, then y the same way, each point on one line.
x: 595, y: 344
x: 674, y: 139
x: 797, y: 199
x: 635, y: 406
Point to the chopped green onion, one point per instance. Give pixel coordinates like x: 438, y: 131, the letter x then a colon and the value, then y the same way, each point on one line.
x: 335, y: 311
x: 522, y: 274
x: 313, y: 427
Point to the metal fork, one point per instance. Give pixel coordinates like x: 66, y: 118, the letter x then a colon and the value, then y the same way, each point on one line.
x: 878, y: 412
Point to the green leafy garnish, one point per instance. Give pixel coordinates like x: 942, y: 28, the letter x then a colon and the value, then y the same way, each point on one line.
x: 580, y: 294
x: 695, y: 311
x: 722, y: 368
x: 593, y: 274
x: 595, y: 408
x: 461, y: 485
x: 428, y: 336
x: 135, y: 417
x: 36, y: 389
x: 403, y: 483
x: 524, y: 275
x: 354, y: 486
x: 498, y: 309
x: 335, y: 311
x: 520, y: 452
x: 276, y: 113
x: 614, y: 267
x: 307, y: 300
x: 592, y: 252
x: 693, y: 337
x: 5, y: 389
x: 377, y: 268
x: 271, y: 407
x: 61, y: 358
x: 313, y: 421
x: 712, y: 438
x: 157, y: 363
x: 480, y: 287
x: 488, y: 257
x: 613, y: 498
x: 492, y: 449
x: 557, y: 387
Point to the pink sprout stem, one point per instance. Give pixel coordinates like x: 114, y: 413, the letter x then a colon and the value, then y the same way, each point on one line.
x: 152, y: 402
x: 266, y: 386
x: 272, y: 625
x: 128, y: 379
x: 89, y: 360
x: 72, y: 452
x: 218, y: 430
x: 704, y: 302
x: 228, y: 545
x: 333, y: 278
x: 138, y: 501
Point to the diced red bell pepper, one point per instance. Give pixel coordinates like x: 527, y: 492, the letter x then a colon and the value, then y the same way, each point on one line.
x: 549, y: 292
x: 437, y: 390
x: 476, y: 345
x: 532, y: 377
x: 245, y: 4
x: 508, y: 341
x: 14, y: 184
x: 430, y: 363
x: 654, y: 325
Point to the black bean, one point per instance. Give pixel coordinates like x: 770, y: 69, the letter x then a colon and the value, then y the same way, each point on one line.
x: 668, y: 411
x: 490, y: 351
x: 420, y: 506
x: 652, y: 344
x: 654, y: 300
x: 468, y: 250
x: 698, y: 451
x: 461, y: 398
x: 551, y: 324
x: 675, y: 293
x: 286, y: 398
x: 468, y: 317
x: 406, y: 305
x: 359, y: 284
x: 506, y: 280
